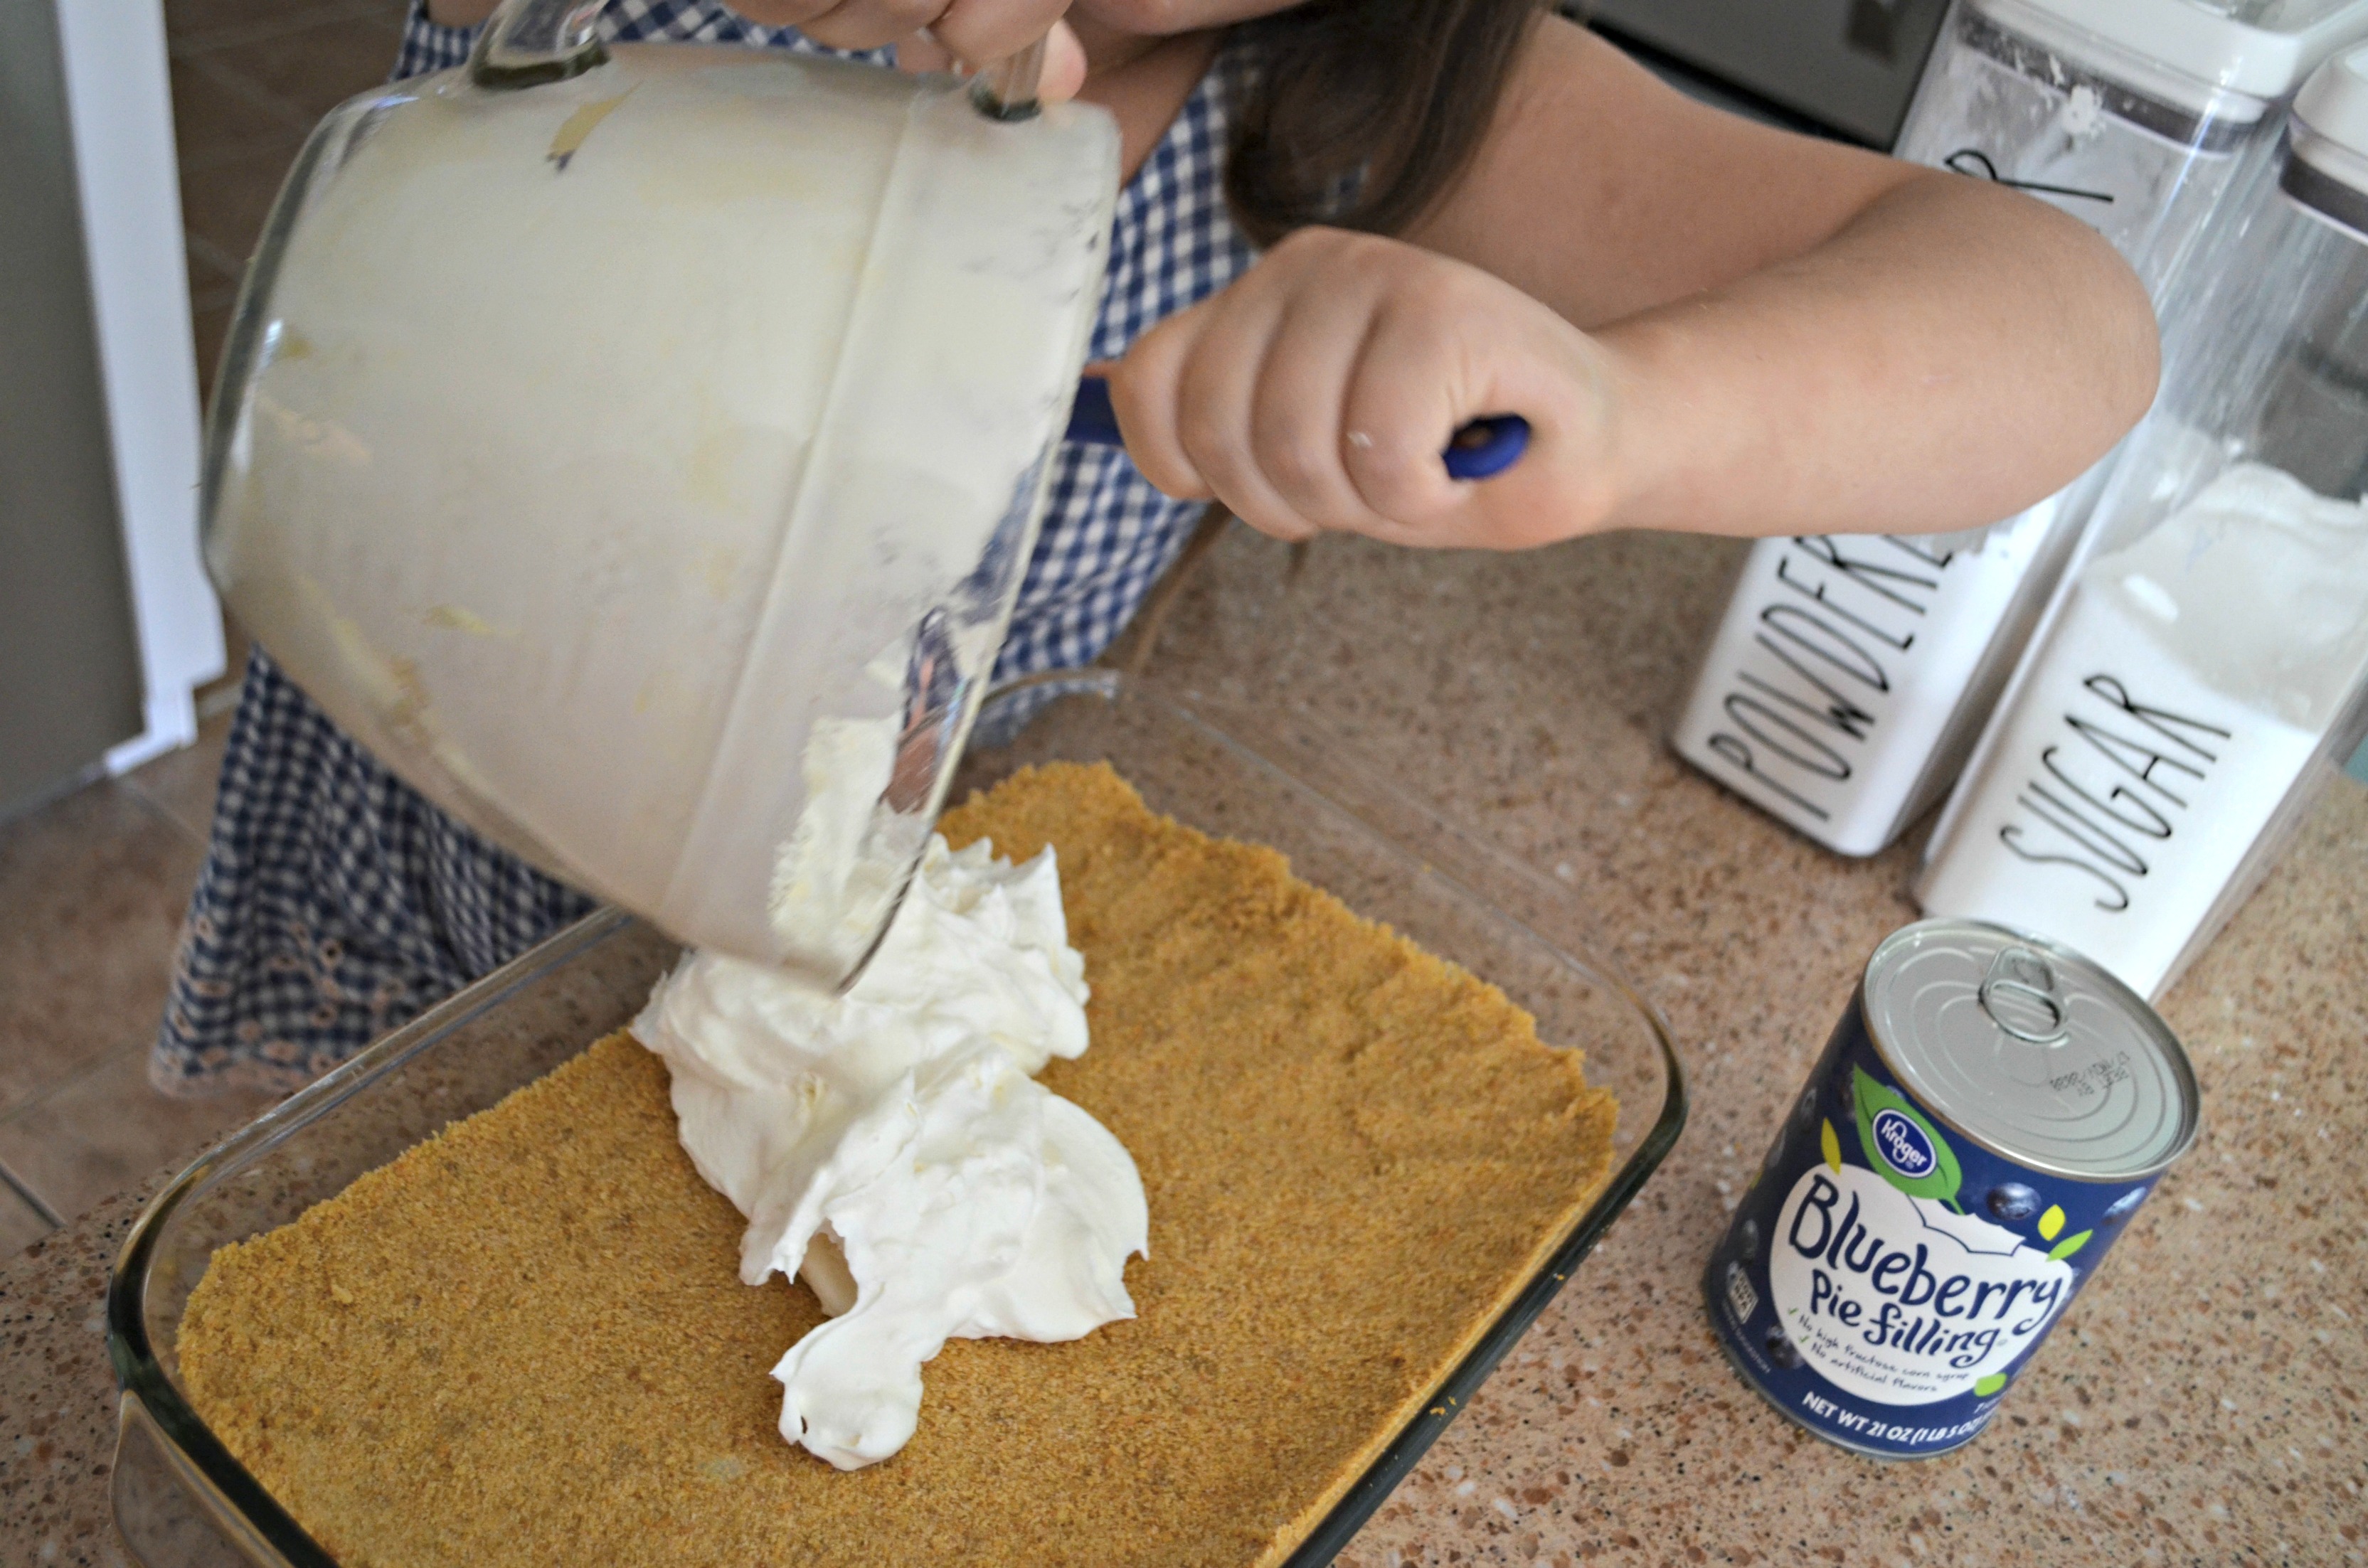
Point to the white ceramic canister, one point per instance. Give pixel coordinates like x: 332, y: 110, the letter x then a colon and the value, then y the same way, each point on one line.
x: 1850, y: 674
x: 2207, y: 669
x: 638, y: 450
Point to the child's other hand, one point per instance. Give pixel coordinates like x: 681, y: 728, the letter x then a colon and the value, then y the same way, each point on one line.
x: 1316, y: 393
x: 972, y: 32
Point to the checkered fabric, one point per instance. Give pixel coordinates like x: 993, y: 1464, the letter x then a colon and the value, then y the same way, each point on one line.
x: 336, y: 903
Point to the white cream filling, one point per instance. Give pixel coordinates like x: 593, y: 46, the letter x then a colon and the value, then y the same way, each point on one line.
x: 891, y: 1146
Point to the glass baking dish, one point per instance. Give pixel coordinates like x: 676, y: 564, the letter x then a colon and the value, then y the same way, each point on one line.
x: 183, y: 1501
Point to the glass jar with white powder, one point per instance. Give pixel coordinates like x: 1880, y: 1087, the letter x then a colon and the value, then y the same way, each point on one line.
x: 1850, y: 674
x: 2207, y: 667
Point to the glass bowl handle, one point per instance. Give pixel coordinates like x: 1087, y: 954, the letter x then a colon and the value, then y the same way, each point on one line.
x: 1007, y: 89
x: 527, y: 42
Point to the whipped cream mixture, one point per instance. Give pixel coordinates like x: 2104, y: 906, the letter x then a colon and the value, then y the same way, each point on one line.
x: 836, y: 876
x: 891, y: 1147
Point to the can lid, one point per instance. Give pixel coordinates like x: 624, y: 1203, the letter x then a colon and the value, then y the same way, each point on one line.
x: 2030, y: 1049
x: 2262, y: 49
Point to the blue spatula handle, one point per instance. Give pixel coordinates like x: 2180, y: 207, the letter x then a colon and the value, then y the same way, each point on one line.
x: 1482, y: 449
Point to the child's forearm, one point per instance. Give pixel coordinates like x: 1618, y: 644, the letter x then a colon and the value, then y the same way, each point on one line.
x: 1951, y: 355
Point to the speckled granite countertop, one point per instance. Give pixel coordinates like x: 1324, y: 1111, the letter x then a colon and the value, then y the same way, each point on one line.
x: 2203, y: 1401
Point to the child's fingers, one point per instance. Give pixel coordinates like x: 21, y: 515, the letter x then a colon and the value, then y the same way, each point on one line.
x: 982, y: 31
x: 920, y: 53
x: 1065, y: 61
x: 1318, y: 392
x: 781, y: 13
x: 867, y: 24
x: 1412, y: 388
x: 1143, y: 394
x: 1065, y: 66
x: 1298, y: 435
x: 1216, y: 400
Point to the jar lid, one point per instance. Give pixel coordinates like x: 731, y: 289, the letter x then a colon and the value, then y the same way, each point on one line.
x: 2192, y: 51
x: 2030, y: 1049
x: 2332, y: 112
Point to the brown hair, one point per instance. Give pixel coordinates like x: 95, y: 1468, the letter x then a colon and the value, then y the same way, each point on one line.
x: 1402, y: 90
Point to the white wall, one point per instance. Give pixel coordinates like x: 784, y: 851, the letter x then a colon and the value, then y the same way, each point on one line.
x: 120, y: 99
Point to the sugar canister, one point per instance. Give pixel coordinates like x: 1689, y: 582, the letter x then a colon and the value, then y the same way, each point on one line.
x: 2207, y: 666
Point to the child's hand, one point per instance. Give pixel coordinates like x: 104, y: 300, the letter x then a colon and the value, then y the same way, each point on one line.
x: 972, y: 32
x: 1316, y: 393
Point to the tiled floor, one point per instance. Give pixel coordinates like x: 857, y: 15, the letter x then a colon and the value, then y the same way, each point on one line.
x: 93, y: 885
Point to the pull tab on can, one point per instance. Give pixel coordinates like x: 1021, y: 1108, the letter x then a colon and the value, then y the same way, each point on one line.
x: 2021, y: 997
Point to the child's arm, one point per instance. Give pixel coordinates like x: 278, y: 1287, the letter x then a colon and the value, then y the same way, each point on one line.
x: 1749, y: 333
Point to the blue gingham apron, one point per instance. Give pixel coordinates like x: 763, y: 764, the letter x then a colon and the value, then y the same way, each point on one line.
x: 336, y: 903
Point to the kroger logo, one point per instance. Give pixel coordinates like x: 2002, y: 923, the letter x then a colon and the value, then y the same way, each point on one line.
x: 1904, y: 1147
